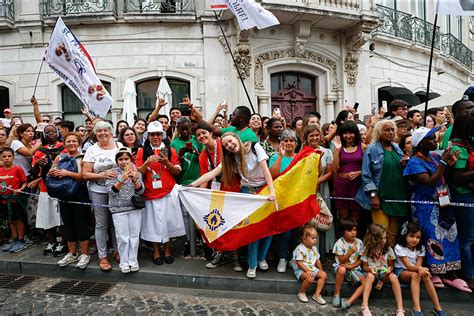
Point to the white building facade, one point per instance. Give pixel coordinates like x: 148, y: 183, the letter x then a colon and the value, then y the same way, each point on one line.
x: 324, y: 54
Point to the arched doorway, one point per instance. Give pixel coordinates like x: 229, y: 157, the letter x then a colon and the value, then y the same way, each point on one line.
x: 4, y: 98
x: 294, y: 93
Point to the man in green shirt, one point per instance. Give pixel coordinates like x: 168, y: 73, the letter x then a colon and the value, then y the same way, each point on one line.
x: 457, y: 108
x: 240, y: 125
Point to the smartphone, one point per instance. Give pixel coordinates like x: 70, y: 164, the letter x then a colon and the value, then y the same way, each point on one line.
x: 127, y: 168
x: 356, y: 105
x: 276, y: 113
x: 384, y: 108
x: 164, y: 152
x: 374, y: 108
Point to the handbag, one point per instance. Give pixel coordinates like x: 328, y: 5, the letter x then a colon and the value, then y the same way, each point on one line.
x: 67, y: 187
x: 138, y: 201
x: 324, y: 218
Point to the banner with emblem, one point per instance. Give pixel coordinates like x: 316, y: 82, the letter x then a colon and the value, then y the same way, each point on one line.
x: 230, y: 220
x: 69, y: 59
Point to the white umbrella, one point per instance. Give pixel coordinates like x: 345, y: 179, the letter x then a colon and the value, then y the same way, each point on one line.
x: 447, y: 99
x: 164, y: 92
x: 129, y: 102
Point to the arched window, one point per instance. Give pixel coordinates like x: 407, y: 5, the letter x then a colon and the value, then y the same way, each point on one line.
x: 72, y: 105
x: 146, y: 94
x: 4, y: 99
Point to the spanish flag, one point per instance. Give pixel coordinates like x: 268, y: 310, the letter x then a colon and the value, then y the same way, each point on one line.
x: 230, y: 220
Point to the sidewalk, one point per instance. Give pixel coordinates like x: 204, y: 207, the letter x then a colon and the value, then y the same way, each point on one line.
x: 188, y: 273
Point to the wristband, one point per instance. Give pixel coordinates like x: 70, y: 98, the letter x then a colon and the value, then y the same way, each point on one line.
x: 121, y: 180
x: 443, y: 162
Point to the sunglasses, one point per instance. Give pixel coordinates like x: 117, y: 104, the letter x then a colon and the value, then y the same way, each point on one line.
x: 156, y: 134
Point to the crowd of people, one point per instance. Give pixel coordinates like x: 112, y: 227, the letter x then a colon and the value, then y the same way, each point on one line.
x: 399, y: 188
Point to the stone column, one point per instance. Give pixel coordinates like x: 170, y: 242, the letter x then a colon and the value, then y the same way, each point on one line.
x: 329, y: 101
x: 264, y: 105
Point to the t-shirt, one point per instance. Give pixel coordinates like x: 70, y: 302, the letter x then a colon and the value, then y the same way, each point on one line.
x: 380, y: 263
x: 255, y: 176
x: 245, y: 135
x: 11, y: 178
x: 446, y: 137
x: 103, y: 159
x: 307, y: 256
x: 21, y: 160
x: 285, y: 162
x: 461, y: 163
x: 189, y: 162
x: 157, y: 171
x: 412, y: 256
x: 341, y: 247
x: 205, y: 166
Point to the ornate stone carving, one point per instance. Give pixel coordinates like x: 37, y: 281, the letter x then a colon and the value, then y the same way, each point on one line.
x: 243, y: 59
x: 263, y: 58
x: 356, y: 38
x: 224, y: 45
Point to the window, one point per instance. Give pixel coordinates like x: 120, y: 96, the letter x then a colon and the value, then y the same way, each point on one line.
x: 388, y: 3
x: 4, y: 98
x: 72, y: 105
x: 146, y: 94
x: 445, y: 24
x: 460, y: 27
x: 418, y: 8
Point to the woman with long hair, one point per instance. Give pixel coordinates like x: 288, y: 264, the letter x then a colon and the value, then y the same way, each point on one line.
x: 347, y: 167
x: 122, y: 124
x: 161, y: 218
x: 98, y: 163
x: 255, y: 124
x: 128, y: 138
x: 23, y: 148
x: 250, y: 164
x: 140, y: 127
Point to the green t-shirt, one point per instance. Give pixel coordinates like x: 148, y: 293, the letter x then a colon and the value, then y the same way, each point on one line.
x: 245, y: 135
x: 446, y: 137
x: 461, y: 163
x: 190, y: 162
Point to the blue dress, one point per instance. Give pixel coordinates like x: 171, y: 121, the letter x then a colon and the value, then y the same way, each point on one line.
x: 438, y: 226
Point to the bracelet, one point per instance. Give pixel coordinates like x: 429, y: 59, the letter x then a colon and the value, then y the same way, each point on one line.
x: 443, y: 162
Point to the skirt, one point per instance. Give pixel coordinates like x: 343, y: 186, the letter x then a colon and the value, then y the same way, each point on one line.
x: 162, y: 220
x: 47, y: 213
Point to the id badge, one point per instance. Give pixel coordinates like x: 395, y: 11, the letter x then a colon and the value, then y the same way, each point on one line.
x: 216, y: 185
x: 443, y: 196
x: 157, y: 184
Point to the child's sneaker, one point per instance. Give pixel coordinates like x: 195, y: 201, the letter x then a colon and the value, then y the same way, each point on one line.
x: 236, y: 263
x: 252, y: 273
x: 336, y: 301
x: 68, y: 259
x: 59, y: 250
x: 345, y: 304
x: 302, y: 297
x: 17, y: 246
x: 365, y: 311
x: 83, y: 261
x: 439, y: 313
x: 8, y: 246
x: 319, y: 299
x: 263, y: 265
x: 48, y: 250
x: 281, y: 268
x: 218, y: 260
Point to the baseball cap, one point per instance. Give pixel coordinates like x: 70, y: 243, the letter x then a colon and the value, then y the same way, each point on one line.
x: 7, y: 110
x: 154, y: 127
x: 421, y: 133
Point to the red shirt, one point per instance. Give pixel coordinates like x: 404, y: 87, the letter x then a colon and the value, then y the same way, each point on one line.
x: 205, y: 166
x: 38, y: 155
x: 12, y: 178
x: 167, y: 179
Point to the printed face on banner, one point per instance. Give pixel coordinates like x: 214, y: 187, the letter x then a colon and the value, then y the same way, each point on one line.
x: 456, y: 7
x: 68, y: 58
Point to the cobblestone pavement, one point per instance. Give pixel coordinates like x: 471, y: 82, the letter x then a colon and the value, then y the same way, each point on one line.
x: 132, y: 299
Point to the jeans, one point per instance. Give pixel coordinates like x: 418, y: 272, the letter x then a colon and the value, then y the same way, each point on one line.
x: 284, y: 244
x: 102, y: 220
x: 465, y: 222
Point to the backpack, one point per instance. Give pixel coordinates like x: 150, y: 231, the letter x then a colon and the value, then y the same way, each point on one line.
x: 66, y: 187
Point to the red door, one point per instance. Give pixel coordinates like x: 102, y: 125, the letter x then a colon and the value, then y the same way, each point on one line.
x: 294, y: 94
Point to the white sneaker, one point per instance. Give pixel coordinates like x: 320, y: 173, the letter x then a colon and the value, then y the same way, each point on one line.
x: 125, y: 269
x: 319, y: 299
x: 68, y: 258
x: 83, y: 261
x: 281, y: 266
x: 302, y: 297
x: 134, y: 268
x: 252, y: 273
x: 263, y: 265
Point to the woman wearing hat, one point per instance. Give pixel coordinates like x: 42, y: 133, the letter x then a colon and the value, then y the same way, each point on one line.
x: 161, y: 218
x: 425, y: 170
x: 98, y: 163
x: 126, y: 217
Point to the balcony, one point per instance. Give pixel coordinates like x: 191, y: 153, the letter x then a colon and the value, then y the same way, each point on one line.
x: 83, y: 11
x: 7, y: 14
x: 404, y: 26
x: 159, y: 10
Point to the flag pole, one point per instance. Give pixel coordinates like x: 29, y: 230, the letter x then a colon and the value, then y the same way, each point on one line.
x: 431, y: 65
x: 235, y: 63
x: 37, y: 77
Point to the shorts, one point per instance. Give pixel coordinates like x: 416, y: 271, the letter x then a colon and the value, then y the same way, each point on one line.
x: 17, y: 212
x: 298, y: 272
x: 398, y: 271
x: 352, y: 276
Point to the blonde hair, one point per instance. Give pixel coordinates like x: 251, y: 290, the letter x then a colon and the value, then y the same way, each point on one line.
x: 308, y: 229
x: 378, y: 129
x: 230, y: 160
x: 373, y: 241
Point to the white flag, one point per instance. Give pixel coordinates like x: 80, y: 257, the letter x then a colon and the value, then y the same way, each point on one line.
x: 217, y: 212
x: 218, y: 4
x: 71, y: 62
x: 456, y: 7
x: 251, y: 14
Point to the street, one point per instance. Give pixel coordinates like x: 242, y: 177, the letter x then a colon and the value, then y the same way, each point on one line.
x: 134, y: 299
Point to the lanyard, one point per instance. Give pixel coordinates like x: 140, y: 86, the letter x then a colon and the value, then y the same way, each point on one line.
x: 154, y: 175
x: 212, y: 165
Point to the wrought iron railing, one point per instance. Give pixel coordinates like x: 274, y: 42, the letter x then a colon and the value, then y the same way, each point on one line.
x: 7, y: 10
x: 453, y: 47
x: 159, y: 6
x: 79, y: 7
x: 408, y: 27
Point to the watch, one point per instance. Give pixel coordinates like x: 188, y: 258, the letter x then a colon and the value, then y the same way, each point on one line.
x: 373, y: 194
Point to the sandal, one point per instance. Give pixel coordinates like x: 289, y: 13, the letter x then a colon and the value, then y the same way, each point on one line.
x: 437, y: 283
x: 104, y: 264
x: 459, y: 284
x: 400, y: 312
x: 365, y: 311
